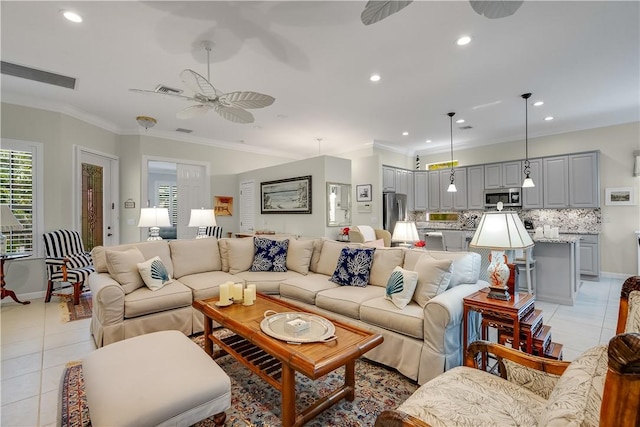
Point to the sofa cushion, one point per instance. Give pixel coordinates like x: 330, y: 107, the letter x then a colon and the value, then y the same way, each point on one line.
x: 346, y: 300
x: 354, y: 267
x: 400, y: 286
x: 299, y: 255
x: 329, y: 255
x: 382, y: 312
x: 305, y: 288
x: 315, y: 258
x: 460, y: 397
x: 148, y: 248
x: 154, y: 273
x: 144, y: 301
x: 224, y: 254
x: 206, y: 285
x: 266, y: 281
x: 576, y: 398
x: 269, y: 255
x: 194, y: 256
x: 240, y: 254
x: 123, y: 268
x: 411, y: 256
x: 433, y: 278
x: 384, y: 262
x: 466, y: 266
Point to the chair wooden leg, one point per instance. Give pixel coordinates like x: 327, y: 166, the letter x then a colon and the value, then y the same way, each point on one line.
x: 219, y: 419
x: 77, y: 287
x: 47, y: 298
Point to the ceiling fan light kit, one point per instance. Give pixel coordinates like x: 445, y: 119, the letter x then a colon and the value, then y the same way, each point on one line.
x: 452, y: 186
x: 528, y: 182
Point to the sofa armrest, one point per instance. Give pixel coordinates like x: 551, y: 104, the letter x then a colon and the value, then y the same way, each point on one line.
x: 108, y: 298
x: 384, y: 235
x: 355, y: 236
x: 445, y: 310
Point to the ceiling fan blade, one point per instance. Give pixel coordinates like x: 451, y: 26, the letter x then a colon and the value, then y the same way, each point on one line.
x: 375, y: 11
x: 494, y: 9
x: 236, y: 115
x: 198, y: 84
x: 247, y: 99
x: 169, y: 95
x: 193, y: 111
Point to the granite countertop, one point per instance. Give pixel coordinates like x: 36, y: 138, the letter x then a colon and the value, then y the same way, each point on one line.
x: 562, y: 238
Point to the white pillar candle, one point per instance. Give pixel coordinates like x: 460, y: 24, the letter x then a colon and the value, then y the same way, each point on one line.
x: 249, y: 296
x: 237, y: 291
x: 252, y: 286
x: 224, y: 293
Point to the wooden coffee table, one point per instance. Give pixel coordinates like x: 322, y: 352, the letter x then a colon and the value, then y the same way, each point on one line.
x: 277, y: 361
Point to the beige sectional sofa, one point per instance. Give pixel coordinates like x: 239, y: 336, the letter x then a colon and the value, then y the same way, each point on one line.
x: 420, y: 342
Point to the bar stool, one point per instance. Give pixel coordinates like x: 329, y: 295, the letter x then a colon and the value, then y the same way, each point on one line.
x: 528, y: 264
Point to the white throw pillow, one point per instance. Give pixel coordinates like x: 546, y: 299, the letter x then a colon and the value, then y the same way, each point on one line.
x: 123, y: 268
x: 379, y: 243
x: 433, y: 278
x: 299, y: 255
x: 401, y: 285
x: 154, y: 273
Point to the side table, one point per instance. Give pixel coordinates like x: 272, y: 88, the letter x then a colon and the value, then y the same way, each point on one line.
x: 519, y: 305
x: 7, y: 292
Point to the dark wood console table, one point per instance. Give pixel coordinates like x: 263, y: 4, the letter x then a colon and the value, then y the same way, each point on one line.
x: 7, y: 292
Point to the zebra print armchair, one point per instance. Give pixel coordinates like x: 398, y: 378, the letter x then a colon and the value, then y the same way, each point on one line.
x: 66, y: 261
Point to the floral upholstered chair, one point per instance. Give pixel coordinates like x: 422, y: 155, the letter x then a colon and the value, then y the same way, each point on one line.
x: 600, y: 387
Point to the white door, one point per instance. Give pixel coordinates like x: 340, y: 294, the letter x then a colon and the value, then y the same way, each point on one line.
x: 193, y: 193
x: 247, y: 206
x: 96, y: 194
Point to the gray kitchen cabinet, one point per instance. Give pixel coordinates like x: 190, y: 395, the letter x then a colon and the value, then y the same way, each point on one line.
x: 555, y: 172
x: 433, y: 194
x: 460, y: 197
x: 402, y: 181
x: 420, y: 183
x: 584, y: 181
x: 475, y: 187
x: 408, y: 176
x: 532, y: 197
x: 503, y: 175
x: 388, y: 178
x: 590, y: 256
x: 446, y: 198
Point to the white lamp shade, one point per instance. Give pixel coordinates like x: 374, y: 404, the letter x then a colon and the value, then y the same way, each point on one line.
x: 202, y: 218
x: 528, y: 183
x: 501, y: 230
x: 154, y: 217
x: 8, y: 221
x: 452, y: 188
x: 405, y: 231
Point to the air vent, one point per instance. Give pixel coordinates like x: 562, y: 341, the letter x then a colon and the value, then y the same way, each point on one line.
x: 465, y: 127
x: 37, y: 75
x: 167, y: 89
x: 183, y: 130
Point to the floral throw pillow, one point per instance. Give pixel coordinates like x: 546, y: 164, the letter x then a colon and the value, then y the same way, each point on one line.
x: 354, y: 267
x: 269, y: 255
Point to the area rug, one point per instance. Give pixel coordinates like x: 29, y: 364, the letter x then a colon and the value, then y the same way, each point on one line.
x: 76, y: 312
x: 255, y: 403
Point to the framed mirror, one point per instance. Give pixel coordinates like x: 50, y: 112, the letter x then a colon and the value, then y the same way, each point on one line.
x: 338, y: 204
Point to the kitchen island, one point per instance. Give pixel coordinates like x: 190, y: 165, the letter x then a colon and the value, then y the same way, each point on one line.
x: 557, y: 268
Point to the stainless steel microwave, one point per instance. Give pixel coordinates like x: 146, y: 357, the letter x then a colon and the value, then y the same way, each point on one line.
x: 510, y: 197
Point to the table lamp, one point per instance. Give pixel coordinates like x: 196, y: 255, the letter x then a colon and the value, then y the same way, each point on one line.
x: 8, y: 222
x: 154, y: 218
x: 500, y: 231
x: 405, y: 231
x: 202, y: 218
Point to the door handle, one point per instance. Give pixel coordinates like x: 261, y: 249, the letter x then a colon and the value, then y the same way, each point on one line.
x: 109, y: 234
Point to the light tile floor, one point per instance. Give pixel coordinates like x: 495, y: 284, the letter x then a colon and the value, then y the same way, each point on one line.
x: 36, y: 345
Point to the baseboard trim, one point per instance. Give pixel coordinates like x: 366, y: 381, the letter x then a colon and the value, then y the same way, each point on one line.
x: 24, y: 297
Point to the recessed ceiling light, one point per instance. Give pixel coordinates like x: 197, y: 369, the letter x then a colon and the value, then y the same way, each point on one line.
x: 428, y: 141
x: 460, y: 121
x: 463, y: 40
x: 71, y: 16
x: 375, y: 77
x: 549, y: 118
x: 538, y: 103
x: 405, y: 133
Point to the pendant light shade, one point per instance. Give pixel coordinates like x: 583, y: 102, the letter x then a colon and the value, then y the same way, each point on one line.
x: 528, y: 182
x: 452, y: 186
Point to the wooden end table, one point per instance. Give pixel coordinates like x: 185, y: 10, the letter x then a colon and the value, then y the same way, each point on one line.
x: 277, y: 361
x: 519, y: 305
x: 8, y: 292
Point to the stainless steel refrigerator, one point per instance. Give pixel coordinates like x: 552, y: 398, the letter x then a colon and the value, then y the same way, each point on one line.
x: 394, y: 208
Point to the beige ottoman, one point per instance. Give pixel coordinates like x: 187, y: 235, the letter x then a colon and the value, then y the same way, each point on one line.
x: 162, y: 378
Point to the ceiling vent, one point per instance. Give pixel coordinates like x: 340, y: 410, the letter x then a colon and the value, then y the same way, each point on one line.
x: 167, y: 89
x: 183, y: 130
x: 465, y: 127
x: 37, y: 75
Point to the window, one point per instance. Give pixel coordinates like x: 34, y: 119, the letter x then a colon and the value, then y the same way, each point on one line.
x: 20, y: 175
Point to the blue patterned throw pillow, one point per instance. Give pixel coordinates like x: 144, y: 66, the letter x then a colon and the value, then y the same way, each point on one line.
x: 154, y: 273
x: 354, y: 267
x: 269, y: 255
x: 400, y: 286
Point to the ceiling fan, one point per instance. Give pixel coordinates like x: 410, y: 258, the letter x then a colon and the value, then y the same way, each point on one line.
x: 231, y: 106
x: 375, y: 11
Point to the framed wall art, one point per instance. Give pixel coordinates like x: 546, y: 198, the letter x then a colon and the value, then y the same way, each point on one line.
x: 363, y: 193
x: 621, y: 196
x: 223, y: 205
x: 286, y: 196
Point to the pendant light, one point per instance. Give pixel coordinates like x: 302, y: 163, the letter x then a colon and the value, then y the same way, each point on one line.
x: 452, y: 186
x: 528, y: 182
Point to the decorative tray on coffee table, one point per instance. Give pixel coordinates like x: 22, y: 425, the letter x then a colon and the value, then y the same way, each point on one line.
x: 297, y: 327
